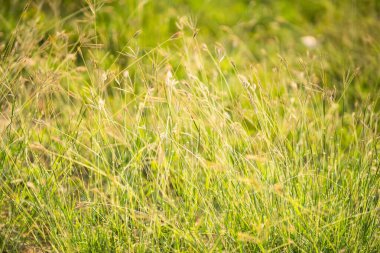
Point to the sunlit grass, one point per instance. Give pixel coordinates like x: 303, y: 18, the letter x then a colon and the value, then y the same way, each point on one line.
x: 144, y: 126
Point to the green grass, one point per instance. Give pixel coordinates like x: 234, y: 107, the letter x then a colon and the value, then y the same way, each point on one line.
x: 189, y: 126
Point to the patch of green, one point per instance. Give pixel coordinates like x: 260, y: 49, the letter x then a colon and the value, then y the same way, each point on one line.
x: 189, y: 126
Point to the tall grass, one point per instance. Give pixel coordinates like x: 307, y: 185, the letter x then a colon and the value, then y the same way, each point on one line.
x: 175, y: 126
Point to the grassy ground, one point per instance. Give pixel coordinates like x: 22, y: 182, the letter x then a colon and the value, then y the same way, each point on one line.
x: 189, y: 126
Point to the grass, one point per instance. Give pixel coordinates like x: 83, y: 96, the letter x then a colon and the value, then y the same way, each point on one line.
x: 189, y: 126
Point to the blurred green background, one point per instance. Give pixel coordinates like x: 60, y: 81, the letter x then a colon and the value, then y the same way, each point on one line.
x: 347, y: 31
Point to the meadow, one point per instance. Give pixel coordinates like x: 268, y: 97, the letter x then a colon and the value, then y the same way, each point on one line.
x: 189, y: 126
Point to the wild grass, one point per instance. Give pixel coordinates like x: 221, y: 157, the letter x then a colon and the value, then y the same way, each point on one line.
x: 189, y: 126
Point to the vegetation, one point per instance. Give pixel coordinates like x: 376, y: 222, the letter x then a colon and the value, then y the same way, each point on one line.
x: 189, y: 126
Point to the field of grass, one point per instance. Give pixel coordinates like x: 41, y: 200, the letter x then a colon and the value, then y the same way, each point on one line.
x: 189, y: 126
